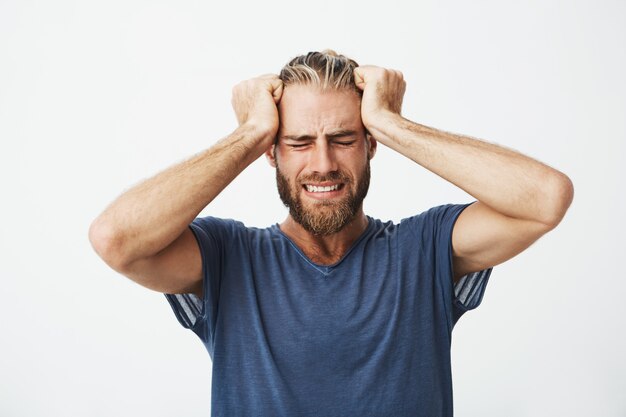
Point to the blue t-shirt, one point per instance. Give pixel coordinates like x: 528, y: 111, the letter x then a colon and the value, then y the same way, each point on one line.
x: 367, y: 336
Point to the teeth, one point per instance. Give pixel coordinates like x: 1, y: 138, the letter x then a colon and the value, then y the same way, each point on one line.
x: 315, y: 189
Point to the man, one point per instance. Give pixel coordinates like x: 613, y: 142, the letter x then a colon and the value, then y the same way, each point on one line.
x: 332, y: 313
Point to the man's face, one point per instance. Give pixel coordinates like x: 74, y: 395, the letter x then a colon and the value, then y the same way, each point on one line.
x: 321, y: 157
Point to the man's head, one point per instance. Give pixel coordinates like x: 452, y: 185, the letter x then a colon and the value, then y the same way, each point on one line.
x: 322, y: 149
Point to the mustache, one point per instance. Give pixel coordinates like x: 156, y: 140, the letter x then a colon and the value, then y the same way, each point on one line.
x: 331, y: 176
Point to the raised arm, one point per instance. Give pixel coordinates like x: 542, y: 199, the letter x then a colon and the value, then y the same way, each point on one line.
x: 519, y: 198
x: 144, y: 233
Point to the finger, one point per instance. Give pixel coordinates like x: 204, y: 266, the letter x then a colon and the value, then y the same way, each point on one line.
x: 359, y: 77
x: 277, y: 89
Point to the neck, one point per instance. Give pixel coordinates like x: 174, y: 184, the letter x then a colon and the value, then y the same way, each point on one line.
x: 329, y: 249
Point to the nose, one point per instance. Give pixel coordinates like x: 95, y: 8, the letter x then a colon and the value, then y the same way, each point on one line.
x: 322, y: 160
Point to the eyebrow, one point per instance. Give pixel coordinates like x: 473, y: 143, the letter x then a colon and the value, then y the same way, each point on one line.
x: 335, y: 134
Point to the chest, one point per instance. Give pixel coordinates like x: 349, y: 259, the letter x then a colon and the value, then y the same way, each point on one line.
x: 296, y: 307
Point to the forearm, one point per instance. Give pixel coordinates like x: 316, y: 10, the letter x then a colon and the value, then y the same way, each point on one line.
x: 151, y: 215
x: 505, y: 180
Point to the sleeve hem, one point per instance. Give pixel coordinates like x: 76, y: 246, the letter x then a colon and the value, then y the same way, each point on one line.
x: 188, y: 308
x: 467, y: 293
x: 470, y: 289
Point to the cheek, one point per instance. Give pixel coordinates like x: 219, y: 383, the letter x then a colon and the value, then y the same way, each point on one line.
x: 288, y: 173
x: 292, y: 165
x: 354, y: 161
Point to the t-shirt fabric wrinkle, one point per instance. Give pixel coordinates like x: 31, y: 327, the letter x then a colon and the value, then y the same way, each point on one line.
x: 367, y: 336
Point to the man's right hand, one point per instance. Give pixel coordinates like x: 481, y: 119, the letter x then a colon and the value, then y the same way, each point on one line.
x: 131, y: 236
x: 255, y: 103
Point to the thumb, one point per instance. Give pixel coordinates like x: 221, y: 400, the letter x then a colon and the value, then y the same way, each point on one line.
x: 277, y: 89
x: 359, y: 78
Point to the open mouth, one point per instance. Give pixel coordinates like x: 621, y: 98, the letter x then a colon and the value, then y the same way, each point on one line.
x: 323, y: 189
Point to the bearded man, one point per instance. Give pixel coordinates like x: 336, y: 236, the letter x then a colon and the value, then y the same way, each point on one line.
x: 332, y: 312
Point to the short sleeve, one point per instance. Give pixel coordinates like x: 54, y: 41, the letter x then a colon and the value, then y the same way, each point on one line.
x: 193, y: 313
x: 467, y: 293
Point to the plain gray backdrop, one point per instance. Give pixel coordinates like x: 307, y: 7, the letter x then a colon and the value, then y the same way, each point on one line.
x: 97, y: 96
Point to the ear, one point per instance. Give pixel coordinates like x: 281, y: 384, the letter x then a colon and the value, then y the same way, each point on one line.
x: 269, y: 154
x: 372, y: 144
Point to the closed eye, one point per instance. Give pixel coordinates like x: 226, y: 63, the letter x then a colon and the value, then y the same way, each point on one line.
x: 345, y: 143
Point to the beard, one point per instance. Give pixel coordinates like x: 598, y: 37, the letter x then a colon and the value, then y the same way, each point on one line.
x: 324, y: 217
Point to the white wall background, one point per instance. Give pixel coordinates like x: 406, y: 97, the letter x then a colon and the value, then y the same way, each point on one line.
x: 96, y: 96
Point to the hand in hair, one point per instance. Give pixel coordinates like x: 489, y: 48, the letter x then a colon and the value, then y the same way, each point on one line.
x: 255, y: 101
x: 383, y: 91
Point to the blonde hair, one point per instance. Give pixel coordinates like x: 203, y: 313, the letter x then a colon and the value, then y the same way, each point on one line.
x: 325, y: 70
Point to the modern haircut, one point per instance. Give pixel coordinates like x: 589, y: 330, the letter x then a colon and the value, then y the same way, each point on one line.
x: 326, y: 70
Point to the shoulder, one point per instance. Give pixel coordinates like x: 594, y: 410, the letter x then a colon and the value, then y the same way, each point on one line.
x: 424, y: 227
x: 226, y: 229
x: 210, y: 222
x: 435, y: 216
x: 223, y: 225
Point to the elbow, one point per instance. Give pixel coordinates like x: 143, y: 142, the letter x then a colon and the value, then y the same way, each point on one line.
x: 107, y: 244
x: 561, y: 196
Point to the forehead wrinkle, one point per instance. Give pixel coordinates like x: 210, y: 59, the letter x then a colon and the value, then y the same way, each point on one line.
x: 326, y: 127
x: 306, y: 112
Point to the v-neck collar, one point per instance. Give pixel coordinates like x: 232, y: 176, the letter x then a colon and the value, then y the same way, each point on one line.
x: 324, y: 269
